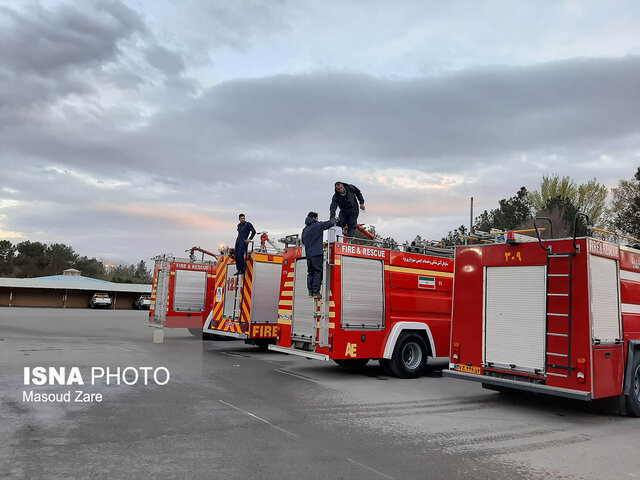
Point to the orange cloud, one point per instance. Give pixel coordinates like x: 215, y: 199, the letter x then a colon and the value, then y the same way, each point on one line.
x: 180, y: 214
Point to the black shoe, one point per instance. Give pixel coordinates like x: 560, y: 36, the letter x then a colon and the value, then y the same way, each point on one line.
x: 317, y: 295
x: 239, y: 273
x: 310, y: 293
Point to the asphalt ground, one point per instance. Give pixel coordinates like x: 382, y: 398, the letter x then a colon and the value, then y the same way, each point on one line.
x: 229, y: 411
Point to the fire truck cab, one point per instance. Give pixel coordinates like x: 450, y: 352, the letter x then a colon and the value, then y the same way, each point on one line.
x: 180, y: 293
x: 245, y: 306
x: 560, y: 317
x: 376, y: 304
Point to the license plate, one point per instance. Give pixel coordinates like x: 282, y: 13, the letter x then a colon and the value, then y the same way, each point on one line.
x: 468, y: 369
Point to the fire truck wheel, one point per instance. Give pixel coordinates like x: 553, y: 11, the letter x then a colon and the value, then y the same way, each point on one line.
x: 409, y: 358
x: 196, y: 332
x: 352, y: 363
x: 633, y: 400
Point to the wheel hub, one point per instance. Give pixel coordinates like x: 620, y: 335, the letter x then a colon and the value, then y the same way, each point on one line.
x: 412, y: 355
x: 636, y: 384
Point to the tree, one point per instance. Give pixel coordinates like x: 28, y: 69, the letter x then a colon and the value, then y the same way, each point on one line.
x: 625, y: 206
x: 562, y: 213
x: 59, y: 257
x: 587, y: 197
x: 90, y: 267
x: 7, y: 256
x: 31, y: 258
x: 453, y: 237
x: 142, y: 274
x: 510, y: 215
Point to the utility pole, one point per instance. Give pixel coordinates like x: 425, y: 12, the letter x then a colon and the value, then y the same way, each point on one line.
x: 471, y: 217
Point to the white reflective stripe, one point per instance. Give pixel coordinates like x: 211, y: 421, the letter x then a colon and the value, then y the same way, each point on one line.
x: 397, y: 330
x: 627, y: 275
x: 630, y: 308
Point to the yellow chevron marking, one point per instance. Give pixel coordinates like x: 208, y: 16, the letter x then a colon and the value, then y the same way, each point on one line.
x: 283, y: 311
x: 332, y: 303
x: 286, y: 302
x: 291, y: 274
x: 288, y: 284
x: 284, y: 322
x: 332, y: 325
x: 286, y: 293
x: 418, y: 271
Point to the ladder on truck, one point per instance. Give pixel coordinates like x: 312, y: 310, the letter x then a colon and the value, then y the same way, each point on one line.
x: 558, y: 312
x: 323, y: 304
x: 239, y: 284
x: 559, y: 290
x: 320, y: 313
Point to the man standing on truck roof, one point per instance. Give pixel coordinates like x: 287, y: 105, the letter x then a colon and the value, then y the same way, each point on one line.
x: 312, y: 240
x: 245, y: 235
x: 347, y: 197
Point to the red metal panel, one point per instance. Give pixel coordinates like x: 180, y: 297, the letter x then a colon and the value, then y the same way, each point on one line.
x: 467, y: 315
x: 630, y: 292
x: 608, y: 371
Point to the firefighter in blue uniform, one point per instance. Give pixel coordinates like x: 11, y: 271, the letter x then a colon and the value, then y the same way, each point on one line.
x: 312, y: 240
x: 245, y: 235
x: 347, y: 197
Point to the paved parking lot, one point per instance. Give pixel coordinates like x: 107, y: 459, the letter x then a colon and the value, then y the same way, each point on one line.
x: 232, y: 412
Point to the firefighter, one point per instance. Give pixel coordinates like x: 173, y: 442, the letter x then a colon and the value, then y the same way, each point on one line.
x: 312, y: 240
x: 245, y: 235
x: 347, y: 197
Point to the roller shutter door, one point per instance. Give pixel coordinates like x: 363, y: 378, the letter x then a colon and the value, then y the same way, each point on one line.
x: 266, y: 292
x: 189, y: 291
x: 362, y: 293
x: 605, y: 313
x: 515, y: 317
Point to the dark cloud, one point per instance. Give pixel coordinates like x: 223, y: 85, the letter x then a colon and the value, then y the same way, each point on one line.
x: 239, y: 129
x: 165, y: 60
x: 42, y: 42
x: 485, y: 111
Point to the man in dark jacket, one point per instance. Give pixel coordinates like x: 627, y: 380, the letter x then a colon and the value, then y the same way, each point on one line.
x: 245, y: 235
x: 312, y: 240
x: 347, y: 198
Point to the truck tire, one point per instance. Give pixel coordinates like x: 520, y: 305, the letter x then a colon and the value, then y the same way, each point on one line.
x: 196, y: 332
x: 409, y: 358
x: 353, y: 363
x: 633, y: 400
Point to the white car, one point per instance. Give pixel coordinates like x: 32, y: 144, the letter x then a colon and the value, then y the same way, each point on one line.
x: 100, y: 300
x: 143, y: 302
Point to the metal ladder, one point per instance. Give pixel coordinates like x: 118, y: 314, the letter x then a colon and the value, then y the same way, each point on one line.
x: 323, y: 304
x: 235, y: 315
x: 563, y: 313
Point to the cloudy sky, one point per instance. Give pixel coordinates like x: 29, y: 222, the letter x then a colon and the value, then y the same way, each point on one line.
x: 130, y: 128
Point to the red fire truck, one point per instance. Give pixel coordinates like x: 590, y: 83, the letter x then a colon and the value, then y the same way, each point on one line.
x: 560, y: 317
x: 181, y: 292
x: 376, y: 304
x: 246, y: 306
